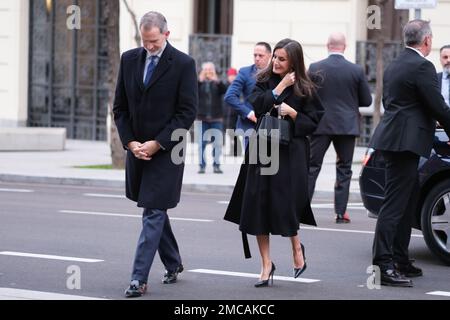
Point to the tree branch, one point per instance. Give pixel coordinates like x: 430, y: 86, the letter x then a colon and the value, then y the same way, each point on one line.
x: 137, y: 36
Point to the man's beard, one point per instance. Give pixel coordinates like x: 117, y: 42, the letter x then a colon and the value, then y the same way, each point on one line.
x: 447, y: 68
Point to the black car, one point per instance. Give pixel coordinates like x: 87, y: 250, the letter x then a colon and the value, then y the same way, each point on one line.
x: 433, y: 212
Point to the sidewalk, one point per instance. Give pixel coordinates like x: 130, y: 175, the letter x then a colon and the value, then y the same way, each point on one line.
x: 60, y: 168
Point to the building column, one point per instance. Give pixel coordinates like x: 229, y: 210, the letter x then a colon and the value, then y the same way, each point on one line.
x: 14, y: 39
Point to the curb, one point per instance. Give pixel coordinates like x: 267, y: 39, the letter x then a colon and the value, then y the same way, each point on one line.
x: 102, y: 183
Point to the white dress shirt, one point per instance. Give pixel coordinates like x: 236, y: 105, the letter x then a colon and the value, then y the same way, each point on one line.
x: 148, y: 59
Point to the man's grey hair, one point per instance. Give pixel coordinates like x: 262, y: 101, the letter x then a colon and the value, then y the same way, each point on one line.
x: 154, y: 19
x: 415, y: 31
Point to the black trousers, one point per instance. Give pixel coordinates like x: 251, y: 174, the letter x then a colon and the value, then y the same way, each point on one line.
x: 393, y: 230
x: 345, y: 147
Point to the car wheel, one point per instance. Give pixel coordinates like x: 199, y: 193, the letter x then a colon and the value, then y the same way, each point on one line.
x: 435, y: 217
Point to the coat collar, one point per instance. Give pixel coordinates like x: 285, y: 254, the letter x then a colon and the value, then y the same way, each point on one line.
x: 163, y: 64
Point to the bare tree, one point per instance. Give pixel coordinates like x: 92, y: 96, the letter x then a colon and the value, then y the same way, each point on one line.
x: 113, y: 40
x: 118, y: 154
x: 380, y: 66
x: 137, y: 36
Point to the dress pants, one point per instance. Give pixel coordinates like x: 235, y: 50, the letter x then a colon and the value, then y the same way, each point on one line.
x: 345, y: 147
x: 156, y: 235
x: 393, y: 230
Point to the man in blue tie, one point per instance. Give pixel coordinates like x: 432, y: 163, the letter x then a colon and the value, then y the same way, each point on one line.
x: 444, y: 76
x: 156, y: 95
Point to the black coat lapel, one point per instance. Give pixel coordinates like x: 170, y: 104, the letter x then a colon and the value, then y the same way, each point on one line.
x: 140, y: 65
x: 163, y: 64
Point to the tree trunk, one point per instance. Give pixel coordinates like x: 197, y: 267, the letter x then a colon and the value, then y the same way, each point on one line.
x: 380, y: 68
x: 379, y: 83
x: 113, y: 39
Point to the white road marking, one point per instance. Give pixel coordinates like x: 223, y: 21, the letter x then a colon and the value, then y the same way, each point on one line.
x: 16, y: 190
x: 127, y: 215
x: 440, y: 293
x: 18, y: 294
x: 100, y: 195
x: 46, y: 256
x: 350, y: 231
x: 351, y: 206
x: 252, y: 275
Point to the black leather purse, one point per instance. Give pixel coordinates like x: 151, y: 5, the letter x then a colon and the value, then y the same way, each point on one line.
x: 274, y: 128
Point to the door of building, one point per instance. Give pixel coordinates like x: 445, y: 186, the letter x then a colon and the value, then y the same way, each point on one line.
x: 68, y: 78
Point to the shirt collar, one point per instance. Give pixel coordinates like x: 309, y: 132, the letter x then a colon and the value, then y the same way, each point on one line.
x: 159, y: 53
x: 335, y: 54
x: 420, y: 53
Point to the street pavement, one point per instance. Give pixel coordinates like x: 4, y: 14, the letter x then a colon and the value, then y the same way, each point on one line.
x: 73, y: 242
x: 59, y: 222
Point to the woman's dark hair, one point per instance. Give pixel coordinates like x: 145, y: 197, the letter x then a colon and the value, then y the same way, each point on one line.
x: 304, y: 86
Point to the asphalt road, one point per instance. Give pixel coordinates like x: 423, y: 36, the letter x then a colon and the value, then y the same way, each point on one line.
x: 80, y: 242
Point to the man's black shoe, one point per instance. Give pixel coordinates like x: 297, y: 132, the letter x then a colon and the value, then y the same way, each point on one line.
x: 136, y: 289
x: 408, y: 270
x: 171, y: 276
x: 393, y: 278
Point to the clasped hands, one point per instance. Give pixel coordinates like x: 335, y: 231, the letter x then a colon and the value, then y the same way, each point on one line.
x: 144, y: 151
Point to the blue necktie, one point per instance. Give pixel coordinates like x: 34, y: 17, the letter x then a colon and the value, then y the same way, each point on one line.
x: 150, y: 69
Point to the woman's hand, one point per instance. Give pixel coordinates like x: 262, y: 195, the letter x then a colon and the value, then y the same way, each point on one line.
x: 288, y: 80
x: 287, y: 110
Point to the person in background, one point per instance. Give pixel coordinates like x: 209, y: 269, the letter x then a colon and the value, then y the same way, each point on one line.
x: 210, y: 113
x: 231, y: 117
x: 241, y: 88
x: 444, y: 76
x: 343, y: 89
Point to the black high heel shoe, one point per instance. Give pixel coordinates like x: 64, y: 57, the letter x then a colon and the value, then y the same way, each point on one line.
x: 269, y: 281
x: 299, y: 271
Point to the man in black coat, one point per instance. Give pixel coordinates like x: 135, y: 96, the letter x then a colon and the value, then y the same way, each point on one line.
x: 444, y: 76
x: 343, y: 88
x: 412, y: 102
x: 156, y: 96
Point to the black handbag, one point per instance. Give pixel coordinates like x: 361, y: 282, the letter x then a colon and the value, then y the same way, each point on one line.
x: 274, y: 129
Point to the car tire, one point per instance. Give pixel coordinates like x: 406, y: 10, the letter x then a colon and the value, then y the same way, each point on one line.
x: 433, y: 206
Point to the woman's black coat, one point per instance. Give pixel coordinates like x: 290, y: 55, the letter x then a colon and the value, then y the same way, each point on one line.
x: 277, y: 204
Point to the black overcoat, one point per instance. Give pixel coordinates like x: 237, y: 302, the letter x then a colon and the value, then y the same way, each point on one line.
x: 154, y: 112
x: 412, y: 102
x: 277, y: 204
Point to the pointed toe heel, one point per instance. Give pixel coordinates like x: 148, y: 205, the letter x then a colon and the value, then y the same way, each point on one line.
x: 298, y: 271
x: 269, y: 281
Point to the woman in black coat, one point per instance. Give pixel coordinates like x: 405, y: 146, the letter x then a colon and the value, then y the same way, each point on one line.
x: 277, y: 204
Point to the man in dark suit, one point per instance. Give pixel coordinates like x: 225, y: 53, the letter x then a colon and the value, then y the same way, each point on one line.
x: 444, y: 76
x: 242, y: 87
x: 156, y: 95
x: 343, y: 88
x: 412, y: 102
